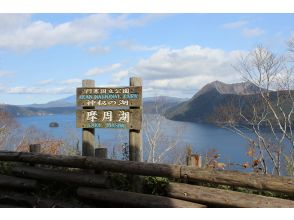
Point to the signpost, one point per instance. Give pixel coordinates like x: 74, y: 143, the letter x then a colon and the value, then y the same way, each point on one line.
x: 120, y: 119
x: 118, y: 108
x: 116, y: 97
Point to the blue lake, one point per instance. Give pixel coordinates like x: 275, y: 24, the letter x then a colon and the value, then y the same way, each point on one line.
x: 202, y: 137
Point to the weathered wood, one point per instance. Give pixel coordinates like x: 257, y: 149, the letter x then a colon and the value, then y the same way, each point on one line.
x: 35, y: 148
x: 9, y: 156
x: 101, y: 153
x: 10, y: 206
x: 84, y: 179
x: 135, y: 139
x: 135, y: 135
x: 16, y: 182
x: 14, y: 199
x: 232, y: 178
x: 120, y: 119
x: 224, y: 198
x: 88, y: 134
x: 196, y: 160
x: 131, y: 199
x: 132, y: 167
x: 114, y: 97
x: 235, y: 178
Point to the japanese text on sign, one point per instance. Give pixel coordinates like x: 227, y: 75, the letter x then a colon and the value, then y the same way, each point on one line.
x: 127, y: 96
x: 109, y: 119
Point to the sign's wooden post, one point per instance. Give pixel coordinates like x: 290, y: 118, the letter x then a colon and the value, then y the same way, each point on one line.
x: 88, y: 133
x: 119, y: 108
x: 135, y: 136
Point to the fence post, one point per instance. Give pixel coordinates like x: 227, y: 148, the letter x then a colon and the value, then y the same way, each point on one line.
x: 35, y: 148
x: 101, y: 153
x: 135, y: 136
x: 188, y: 155
x: 88, y: 133
x: 195, y: 160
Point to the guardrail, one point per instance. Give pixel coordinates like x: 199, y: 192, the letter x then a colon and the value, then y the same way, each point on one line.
x: 188, y: 192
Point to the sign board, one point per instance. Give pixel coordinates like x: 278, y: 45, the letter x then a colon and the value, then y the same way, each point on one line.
x: 119, y: 119
x: 115, y: 97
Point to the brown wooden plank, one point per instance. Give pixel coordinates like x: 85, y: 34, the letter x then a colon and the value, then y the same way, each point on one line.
x: 109, y: 118
x: 236, y: 178
x: 16, y: 199
x: 16, y: 182
x: 232, y: 178
x: 118, y: 96
x: 224, y: 198
x: 132, y: 199
x: 84, y: 179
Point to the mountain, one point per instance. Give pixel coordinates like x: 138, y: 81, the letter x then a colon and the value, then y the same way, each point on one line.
x: 67, y: 105
x: 160, y: 104
x: 65, y: 102
x: 20, y: 111
x: 213, y: 95
x: 243, y: 88
x: 70, y: 101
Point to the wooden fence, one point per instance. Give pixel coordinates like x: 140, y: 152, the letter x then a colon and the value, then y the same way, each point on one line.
x: 196, y: 191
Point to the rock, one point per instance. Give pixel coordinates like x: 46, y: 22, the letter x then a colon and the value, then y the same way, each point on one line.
x: 53, y: 125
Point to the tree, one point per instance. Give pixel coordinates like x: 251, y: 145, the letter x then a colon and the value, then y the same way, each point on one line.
x: 7, y: 124
x: 268, y: 115
x: 159, y: 145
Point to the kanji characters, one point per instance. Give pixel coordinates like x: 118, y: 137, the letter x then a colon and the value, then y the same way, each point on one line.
x: 124, y: 116
x: 107, y: 116
x: 91, y: 116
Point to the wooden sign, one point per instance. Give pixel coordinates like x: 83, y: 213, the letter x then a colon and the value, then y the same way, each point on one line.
x: 115, y: 97
x: 119, y: 119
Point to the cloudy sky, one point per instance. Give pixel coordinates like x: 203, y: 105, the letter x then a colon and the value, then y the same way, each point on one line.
x: 44, y: 57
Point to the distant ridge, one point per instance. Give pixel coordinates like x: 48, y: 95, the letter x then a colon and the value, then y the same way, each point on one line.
x: 65, y: 102
x: 243, y: 88
x: 203, y: 104
x: 68, y: 106
x: 197, y: 109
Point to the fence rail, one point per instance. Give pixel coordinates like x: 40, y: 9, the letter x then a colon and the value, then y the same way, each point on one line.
x: 231, y: 178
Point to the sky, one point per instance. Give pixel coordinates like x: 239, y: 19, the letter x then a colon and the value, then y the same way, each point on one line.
x: 44, y: 57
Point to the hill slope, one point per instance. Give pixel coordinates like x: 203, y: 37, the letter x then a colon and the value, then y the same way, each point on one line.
x: 203, y: 104
x: 65, y: 102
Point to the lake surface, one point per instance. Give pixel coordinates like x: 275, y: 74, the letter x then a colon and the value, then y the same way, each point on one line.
x: 202, y: 137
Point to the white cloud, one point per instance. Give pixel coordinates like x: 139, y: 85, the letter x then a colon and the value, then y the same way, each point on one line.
x: 72, y: 81
x: 21, y: 33
x: 186, y: 70
x: 2, y: 88
x: 99, y: 50
x: 246, y: 32
x: 46, y: 82
x: 131, y: 45
x: 119, y: 76
x: 11, y: 22
x: 4, y: 73
x: 97, y: 70
x: 235, y: 25
x: 39, y: 90
x: 252, y: 32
